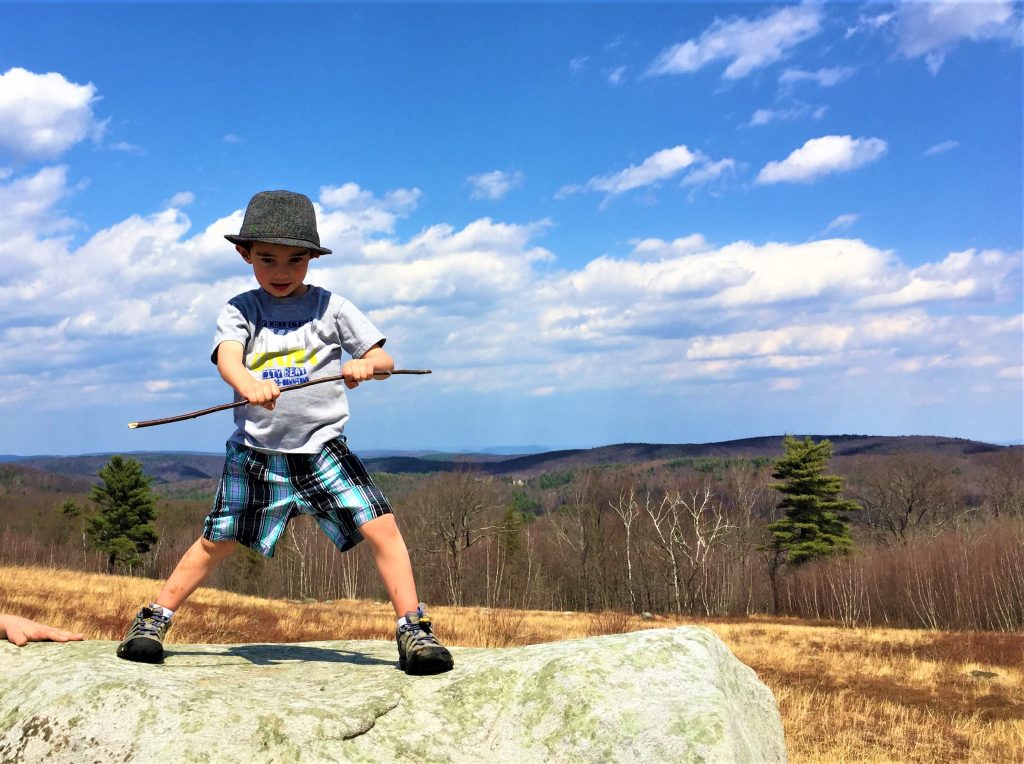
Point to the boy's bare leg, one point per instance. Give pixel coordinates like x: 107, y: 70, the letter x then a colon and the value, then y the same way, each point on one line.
x: 419, y: 652
x: 392, y: 559
x: 193, y: 568
x: 145, y: 638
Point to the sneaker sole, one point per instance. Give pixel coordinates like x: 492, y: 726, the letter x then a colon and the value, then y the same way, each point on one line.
x: 427, y: 665
x: 141, y: 650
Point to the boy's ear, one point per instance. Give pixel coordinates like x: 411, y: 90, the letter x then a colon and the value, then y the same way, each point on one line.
x: 243, y: 252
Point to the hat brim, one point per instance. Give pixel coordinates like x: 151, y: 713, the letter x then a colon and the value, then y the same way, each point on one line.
x: 287, y: 242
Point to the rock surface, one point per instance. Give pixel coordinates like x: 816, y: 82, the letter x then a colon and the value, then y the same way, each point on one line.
x: 651, y: 696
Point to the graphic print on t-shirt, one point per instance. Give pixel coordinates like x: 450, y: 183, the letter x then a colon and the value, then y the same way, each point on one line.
x: 281, y: 352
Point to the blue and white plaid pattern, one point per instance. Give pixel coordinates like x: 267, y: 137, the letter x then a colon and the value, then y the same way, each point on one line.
x: 260, y: 492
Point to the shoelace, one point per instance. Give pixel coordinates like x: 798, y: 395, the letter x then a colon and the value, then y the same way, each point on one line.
x: 420, y: 632
x: 150, y: 625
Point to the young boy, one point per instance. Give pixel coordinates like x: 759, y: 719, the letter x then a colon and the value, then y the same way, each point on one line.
x: 288, y: 454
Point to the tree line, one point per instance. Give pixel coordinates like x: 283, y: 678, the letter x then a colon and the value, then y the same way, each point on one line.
x: 906, y: 539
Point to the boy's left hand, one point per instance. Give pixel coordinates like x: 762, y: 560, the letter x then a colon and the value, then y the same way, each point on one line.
x: 357, y: 370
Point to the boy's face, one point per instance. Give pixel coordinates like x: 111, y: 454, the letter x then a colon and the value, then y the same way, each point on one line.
x: 279, y: 269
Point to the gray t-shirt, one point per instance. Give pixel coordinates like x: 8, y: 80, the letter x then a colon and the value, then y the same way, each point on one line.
x: 292, y: 340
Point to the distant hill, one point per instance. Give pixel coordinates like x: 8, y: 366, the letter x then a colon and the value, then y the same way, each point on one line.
x: 632, y: 453
x: 175, y: 467
x: 163, y: 467
x: 17, y: 478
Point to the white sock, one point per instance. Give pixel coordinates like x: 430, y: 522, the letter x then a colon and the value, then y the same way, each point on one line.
x: 402, y: 621
x: 161, y: 609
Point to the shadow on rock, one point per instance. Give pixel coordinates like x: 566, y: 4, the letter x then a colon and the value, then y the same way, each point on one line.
x: 276, y: 654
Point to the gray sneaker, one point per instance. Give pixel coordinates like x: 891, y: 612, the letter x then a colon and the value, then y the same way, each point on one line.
x: 419, y: 652
x: 145, y: 640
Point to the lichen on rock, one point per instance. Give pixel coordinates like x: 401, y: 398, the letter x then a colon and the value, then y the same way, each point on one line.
x: 648, y: 696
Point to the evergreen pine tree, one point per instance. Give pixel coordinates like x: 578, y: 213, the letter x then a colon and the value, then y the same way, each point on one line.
x: 122, y: 527
x: 815, y: 524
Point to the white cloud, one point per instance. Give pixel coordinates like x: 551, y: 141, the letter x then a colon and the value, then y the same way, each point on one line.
x: 779, y: 273
x: 232, y: 138
x: 940, y: 148
x: 43, y: 115
x: 659, y: 166
x: 346, y: 214
x: 870, y: 24
x: 494, y: 185
x: 617, y: 75
x: 613, y: 44
x: 855, y: 347
x: 578, y: 64
x: 961, y: 275
x: 32, y: 226
x: 29, y: 203
x: 747, y: 44
x: 931, y: 30
x: 146, y: 280
x: 454, y: 272
x: 825, y: 78
x: 709, y: 172
x: 781, y: 384
x: 180, y: 199
x: 350, y: 197
x: 666, y: 285
x: 823, y: 156
x: 792, y: 338
x: 842, y: 222
x: 885, y: 328
x: 661, y: 299
x: 128, y: 148
x: 489, y: 304
x: 788, y: 114
x: 650, y: 249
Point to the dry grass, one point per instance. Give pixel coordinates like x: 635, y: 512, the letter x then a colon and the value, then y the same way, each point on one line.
x: 846, y: 695
x: 881, y: 695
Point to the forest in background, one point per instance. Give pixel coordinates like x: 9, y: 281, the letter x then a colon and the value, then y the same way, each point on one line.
x: 938, y: 538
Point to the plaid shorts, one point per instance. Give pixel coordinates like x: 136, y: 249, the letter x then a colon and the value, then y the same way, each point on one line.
x: 260, y: 492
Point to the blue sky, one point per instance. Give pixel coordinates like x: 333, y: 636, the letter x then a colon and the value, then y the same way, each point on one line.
x: 596, y: 223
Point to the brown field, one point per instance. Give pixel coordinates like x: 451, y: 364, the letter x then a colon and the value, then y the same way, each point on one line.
x: 846, y: 695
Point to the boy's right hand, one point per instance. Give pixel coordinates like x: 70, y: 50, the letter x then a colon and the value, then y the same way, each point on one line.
x: 262, y: 392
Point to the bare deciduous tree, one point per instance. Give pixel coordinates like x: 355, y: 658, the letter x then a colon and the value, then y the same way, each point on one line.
x: 628, y: 510
x: 904, y: 496
x: 449, y: 514
x: 1003, y: 480
x: 579, y: 530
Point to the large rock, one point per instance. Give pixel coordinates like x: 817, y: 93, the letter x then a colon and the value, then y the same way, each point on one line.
x: 650, y: 696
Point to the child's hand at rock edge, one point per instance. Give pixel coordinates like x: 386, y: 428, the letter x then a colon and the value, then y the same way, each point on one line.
x: 20, y: 631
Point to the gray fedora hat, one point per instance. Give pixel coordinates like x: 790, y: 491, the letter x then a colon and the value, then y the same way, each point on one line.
x: 280, y: 217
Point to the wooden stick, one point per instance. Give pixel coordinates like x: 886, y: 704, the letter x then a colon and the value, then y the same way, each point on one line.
x: 225, y: 406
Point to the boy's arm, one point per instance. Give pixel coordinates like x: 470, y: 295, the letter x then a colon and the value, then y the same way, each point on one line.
x: 230, y: 364
x: 361, y: 369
